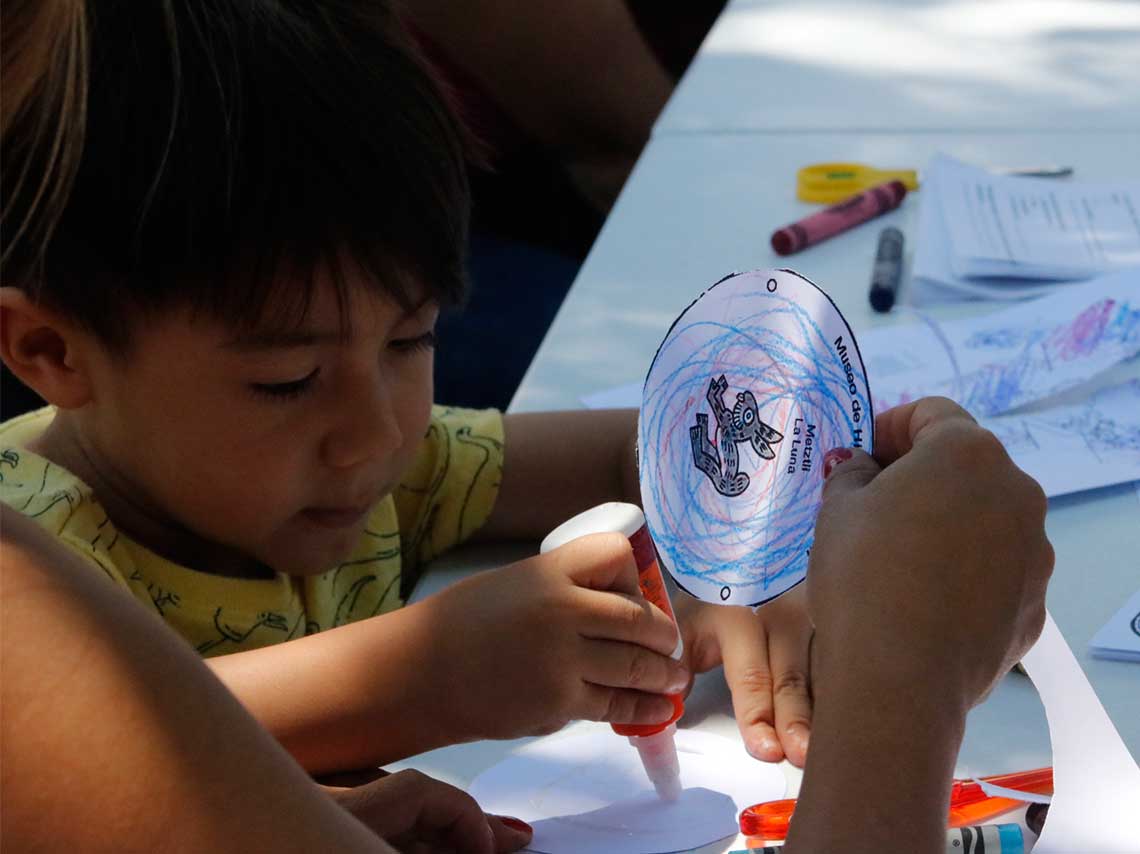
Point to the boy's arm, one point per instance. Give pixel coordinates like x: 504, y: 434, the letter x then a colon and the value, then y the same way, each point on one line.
x: 115, y: 735
x: 446, y: 670
x: 558, y: 464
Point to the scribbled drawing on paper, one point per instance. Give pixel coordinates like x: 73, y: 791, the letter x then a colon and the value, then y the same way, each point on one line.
x: 1080, y: 446
x: 731, y: 500
x: 1013, y: 358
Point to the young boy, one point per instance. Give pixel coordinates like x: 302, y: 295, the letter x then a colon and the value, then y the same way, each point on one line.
x: 114, y: 730
x: 234, y: 323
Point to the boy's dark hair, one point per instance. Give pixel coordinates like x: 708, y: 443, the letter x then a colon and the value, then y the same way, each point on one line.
x: 237, y: 148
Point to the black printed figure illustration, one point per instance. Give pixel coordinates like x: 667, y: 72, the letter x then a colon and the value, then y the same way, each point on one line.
x: 741, y: 424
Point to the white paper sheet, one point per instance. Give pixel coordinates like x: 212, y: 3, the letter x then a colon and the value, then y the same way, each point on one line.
x: 998, y: 237
x: 1011, y: 358
x: 1034, y: 228
x: 753, y: 383
x: 1120, y: 636
x: 1086, y: 445
x: 1096, y: 783
x: 932, y: 276
x: 586, y: 791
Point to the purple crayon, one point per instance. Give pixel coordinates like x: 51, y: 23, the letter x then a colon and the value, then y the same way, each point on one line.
x: 840, y: 217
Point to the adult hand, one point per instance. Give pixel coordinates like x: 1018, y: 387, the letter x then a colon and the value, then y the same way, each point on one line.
x: 566, y: 635
x: 930, y: 560
x: 765, y: 656
x: 414, y: 812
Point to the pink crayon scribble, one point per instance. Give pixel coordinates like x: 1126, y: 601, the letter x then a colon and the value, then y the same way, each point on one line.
x: 1084, y: 334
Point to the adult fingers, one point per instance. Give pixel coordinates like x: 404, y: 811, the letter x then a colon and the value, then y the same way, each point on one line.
x: 846, y: 470
x: 899, y: 429
x: 407, y: 808
x: 510, y: 833
x: 627, y: 665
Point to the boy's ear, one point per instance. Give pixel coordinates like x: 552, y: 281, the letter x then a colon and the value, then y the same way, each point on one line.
x: 42, y: 349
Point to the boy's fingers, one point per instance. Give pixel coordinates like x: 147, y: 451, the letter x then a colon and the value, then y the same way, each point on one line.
x: 744, y: 650
x: 599, y: 562
x: 625, y: 706
x: 789, y: 650
x: 627, y: 665
x: 629, y: 618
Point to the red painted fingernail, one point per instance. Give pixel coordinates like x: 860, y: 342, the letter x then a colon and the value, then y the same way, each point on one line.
x: 516, y: 824
x: 833, y: 458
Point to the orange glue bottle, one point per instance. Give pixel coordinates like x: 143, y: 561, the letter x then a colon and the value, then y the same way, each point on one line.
x: 654, y: 742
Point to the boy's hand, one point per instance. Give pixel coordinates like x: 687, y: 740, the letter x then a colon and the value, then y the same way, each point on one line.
x: 930, y: 560
x: 414, y: 812
x: 525, y: 649
x: 765, y: 656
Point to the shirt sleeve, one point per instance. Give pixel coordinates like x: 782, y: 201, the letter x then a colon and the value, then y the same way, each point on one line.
x: 58, y: 503
x: 451, y: 487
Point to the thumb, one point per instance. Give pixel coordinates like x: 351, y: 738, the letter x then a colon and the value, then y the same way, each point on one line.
x: 847, y: 470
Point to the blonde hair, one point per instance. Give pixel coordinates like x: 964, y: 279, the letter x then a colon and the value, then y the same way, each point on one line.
x: 43, y: 77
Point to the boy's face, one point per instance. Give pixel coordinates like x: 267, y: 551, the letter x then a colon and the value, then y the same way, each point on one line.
x: 267, y: 447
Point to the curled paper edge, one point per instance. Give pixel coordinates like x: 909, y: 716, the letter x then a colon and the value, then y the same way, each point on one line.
x: 1096, y: 781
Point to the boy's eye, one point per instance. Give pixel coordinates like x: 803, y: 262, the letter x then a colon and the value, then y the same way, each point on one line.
x: 285, y: 391
x: 427, y: 341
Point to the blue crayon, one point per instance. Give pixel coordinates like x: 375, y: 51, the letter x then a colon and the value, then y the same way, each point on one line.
x: 988, y: 838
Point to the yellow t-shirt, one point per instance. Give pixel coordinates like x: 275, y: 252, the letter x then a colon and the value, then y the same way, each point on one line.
x: 446, y: 495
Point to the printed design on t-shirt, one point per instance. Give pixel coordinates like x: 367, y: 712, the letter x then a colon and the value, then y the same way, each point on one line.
x: 159, y: 596
x: 99, y: 531
x: 489, y: 446
x: 440, y: 438
x: 357, y: 595
x: 266, y: 623
x: 51, y: 499
x: 9, y: 457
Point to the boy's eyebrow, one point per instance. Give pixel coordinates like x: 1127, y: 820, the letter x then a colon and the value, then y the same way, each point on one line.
x: 280, y: 339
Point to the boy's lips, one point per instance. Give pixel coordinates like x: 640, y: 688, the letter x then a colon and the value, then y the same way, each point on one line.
x: 336, y: 517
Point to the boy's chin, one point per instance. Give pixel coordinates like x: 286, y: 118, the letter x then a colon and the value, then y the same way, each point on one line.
x: 312, y: 558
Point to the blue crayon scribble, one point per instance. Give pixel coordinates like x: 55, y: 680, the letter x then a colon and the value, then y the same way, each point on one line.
x: 776, y: 362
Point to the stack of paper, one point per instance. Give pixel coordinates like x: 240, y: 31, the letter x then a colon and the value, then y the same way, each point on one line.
x: 1008, y: 237
x: 1120, y: 637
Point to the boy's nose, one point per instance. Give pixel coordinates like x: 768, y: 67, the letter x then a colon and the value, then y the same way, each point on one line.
x: 368, y: 427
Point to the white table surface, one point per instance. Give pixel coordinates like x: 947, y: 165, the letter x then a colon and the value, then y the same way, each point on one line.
x: 906, y: 65
x: 700, y: 206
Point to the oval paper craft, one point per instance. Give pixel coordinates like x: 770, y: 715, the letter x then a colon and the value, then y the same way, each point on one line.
x: 753, y: 383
